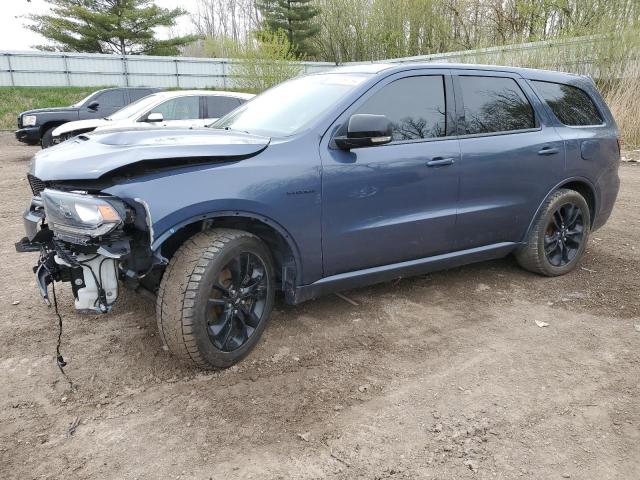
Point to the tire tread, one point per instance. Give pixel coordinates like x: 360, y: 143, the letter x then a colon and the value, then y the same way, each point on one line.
x: 529, y: 256
x: 178, y: 290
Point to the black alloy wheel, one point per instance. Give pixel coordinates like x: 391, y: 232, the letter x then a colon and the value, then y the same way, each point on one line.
x: 558, y: 235
x: 215, y: 297
x: 564, y: 235
x: 237, y: 302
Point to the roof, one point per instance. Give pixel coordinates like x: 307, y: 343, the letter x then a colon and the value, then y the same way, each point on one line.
x: 388, y: 68
x: 180, y: 93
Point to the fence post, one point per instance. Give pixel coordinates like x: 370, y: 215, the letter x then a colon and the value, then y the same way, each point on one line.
x: 13, y: 82
x: 224, y: 74
x: 175, y: 60
x: 66, y: 69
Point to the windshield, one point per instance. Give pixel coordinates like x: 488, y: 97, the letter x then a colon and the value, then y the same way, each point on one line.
x: 135, y: 108
x: 81, y: 102
x: 289, y: 107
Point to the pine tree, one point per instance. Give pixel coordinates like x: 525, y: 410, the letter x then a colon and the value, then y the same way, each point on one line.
x: 124, y: 27
x: 295, y: 19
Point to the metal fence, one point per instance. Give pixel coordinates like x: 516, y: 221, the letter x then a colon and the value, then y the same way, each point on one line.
x: 586, y: 55
x: 57, y: 69
x: 598, y: 56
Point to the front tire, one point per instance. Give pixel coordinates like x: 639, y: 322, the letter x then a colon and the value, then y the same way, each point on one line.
x: 559, y: 235
x: 47, y: 138
x: 215, y: 297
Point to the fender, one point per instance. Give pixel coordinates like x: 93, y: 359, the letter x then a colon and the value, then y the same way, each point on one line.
x: 157, y: 242
x: 560, y: 184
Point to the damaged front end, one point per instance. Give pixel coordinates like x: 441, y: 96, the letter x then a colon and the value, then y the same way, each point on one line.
x: 83, y: 239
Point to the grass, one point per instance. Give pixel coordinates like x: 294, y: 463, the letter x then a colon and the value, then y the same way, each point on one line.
x: 624, y: 102
x: 14, y: 100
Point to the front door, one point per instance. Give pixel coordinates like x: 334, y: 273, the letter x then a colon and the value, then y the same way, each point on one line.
x: 178, y: 112
x: 393, y: 202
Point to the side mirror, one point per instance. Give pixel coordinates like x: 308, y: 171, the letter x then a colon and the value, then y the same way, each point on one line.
x: 365, y: 130
x: 93, y: 106
x: 155, y: 117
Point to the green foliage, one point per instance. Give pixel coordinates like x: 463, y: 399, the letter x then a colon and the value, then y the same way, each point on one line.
x: 108, y: 26
x: 293, y: 17
x: 14, y: 100
x: 364, y: 30
x: 215, y: 47
x: 264, y: 62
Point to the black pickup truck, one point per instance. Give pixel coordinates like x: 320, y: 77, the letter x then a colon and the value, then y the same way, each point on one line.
x: 35, y: 126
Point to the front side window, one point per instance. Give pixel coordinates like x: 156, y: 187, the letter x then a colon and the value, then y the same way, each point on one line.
x: 414, y: 105
x: 494, y: 104
x: 181, y: 108
x: 111, y: 98
x: 571, y: 105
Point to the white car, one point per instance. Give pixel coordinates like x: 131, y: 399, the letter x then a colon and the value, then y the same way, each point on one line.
x: 187, y: 108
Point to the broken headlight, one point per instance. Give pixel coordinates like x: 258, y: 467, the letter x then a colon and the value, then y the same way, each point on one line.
x: 80, y: 217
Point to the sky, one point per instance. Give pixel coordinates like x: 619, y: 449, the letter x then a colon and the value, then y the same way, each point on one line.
x: 13, y: 35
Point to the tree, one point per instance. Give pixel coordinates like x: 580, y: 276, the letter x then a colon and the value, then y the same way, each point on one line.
x: 124, y: 27
x: 264, y: 62
x: 295, y: 18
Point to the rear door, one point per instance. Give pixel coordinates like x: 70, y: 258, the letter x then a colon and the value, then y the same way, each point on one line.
x: 511, y: 157
x: 395, y: 202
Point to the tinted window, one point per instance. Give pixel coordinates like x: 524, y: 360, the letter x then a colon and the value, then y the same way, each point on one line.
x: 219, y: 106
x: 181, y: 108
x: 111, y: 98
x: 138, y: 93
x: 494, y: 104
x: 415, y: 106
x: 571, y: 105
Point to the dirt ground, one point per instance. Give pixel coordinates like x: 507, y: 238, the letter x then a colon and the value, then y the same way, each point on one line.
x: 444, y: 376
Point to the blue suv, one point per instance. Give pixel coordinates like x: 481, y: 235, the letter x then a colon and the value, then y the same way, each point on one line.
x: 326, y: 182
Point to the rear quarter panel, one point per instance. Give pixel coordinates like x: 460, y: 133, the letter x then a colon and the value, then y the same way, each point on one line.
x: 592, y: 152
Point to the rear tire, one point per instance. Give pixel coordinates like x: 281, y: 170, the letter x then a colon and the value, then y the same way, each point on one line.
x: 559, y: 236
x: 215, y: 298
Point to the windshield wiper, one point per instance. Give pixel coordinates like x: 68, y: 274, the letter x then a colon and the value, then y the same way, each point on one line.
x: 229, y: 129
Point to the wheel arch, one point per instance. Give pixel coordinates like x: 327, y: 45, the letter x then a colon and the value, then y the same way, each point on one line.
x: 579, y: 184
x: 51, y: 124
x: 286, y: 254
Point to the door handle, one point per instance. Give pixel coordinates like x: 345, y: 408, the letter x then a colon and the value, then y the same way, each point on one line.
x: 548, y: 151
x: 440, y: 162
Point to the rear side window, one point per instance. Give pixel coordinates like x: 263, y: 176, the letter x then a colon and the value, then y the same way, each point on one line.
x: 414, y: 105
x: 494, y: 104
x: 111, y: 98
x: 571, y: 105
x: 218, y: 106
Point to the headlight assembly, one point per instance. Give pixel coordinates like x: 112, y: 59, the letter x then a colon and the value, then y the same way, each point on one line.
x: 29, y: 120
x: 79, y: 217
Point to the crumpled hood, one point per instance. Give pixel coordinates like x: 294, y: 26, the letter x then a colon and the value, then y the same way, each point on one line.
x: 90, y: 156
x: 79, y: 125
